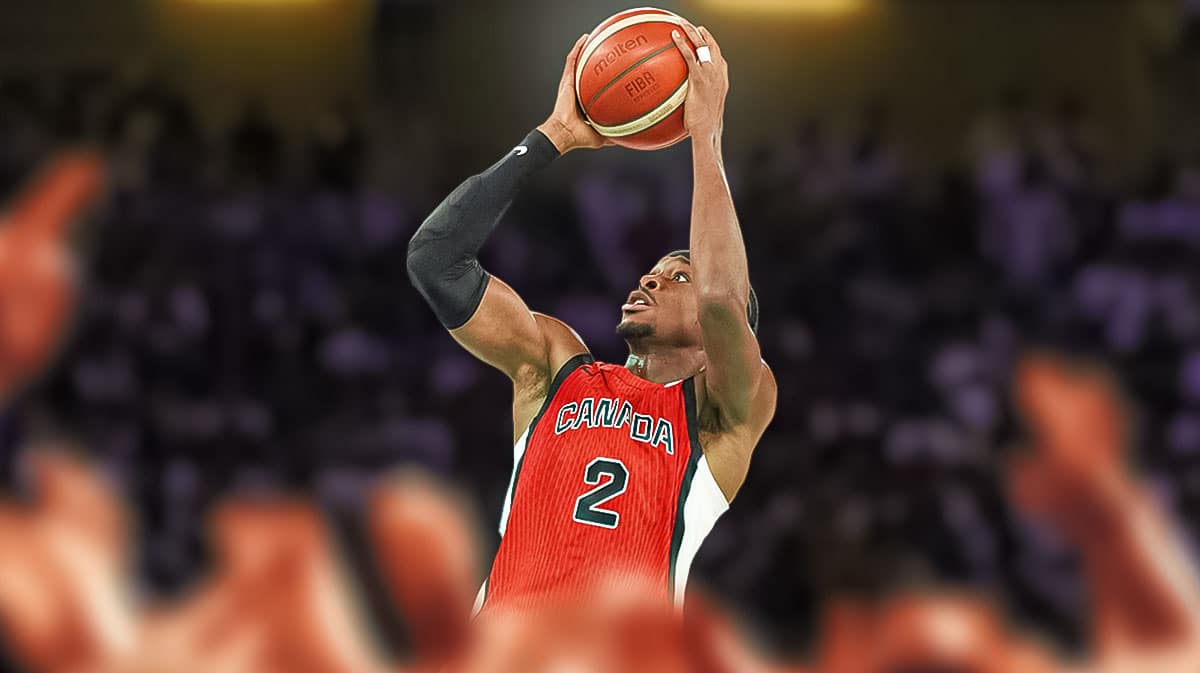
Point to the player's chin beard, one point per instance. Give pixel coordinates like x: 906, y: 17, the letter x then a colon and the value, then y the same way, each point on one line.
x: 631, y: 330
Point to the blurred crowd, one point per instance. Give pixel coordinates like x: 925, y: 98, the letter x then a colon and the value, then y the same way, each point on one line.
x: 246, y: 326
x: 276, y: 594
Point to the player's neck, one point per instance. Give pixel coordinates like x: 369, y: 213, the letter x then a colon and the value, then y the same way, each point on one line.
x: 665, y: 366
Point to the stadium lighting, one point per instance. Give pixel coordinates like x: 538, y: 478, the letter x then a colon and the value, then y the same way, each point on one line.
x: 256, y: 3
x: 787, y: 6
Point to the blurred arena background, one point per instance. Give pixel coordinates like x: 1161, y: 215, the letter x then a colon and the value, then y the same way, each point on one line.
x: 925, y: 187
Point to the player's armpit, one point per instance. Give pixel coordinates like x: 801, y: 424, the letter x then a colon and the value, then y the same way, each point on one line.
x: 729, y: 452
x: 504, y: 333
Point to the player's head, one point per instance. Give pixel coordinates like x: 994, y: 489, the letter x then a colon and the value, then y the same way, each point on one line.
x: 664, y: 308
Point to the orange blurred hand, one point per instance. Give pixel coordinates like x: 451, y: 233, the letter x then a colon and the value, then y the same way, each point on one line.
x: 428, y: 554
x: 278, y: 567
x: 1079, y: 428
x: 1078, y: 418
x: 37, y: 271
x: 714, y: 644
x: 55, y: 197
x: 1142, y: 579
x: 203, y: 635
x: 65, y: 603
x: 275, y: 602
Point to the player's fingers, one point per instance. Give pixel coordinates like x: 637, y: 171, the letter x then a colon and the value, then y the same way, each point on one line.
x: 693, y: 34
x: 684, y: 48
x: 573, y: 55
x: 704, y: 51
x: 709, y: 40
x: 714, y: 48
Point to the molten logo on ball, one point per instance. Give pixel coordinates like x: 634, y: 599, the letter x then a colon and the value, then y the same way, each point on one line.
x: 631, y: 79
x: 620, y: 48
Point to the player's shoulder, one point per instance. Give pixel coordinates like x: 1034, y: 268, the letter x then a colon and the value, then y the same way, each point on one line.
x: 562, y: 342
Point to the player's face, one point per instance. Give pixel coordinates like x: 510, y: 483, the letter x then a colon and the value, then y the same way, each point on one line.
x: 663, y: 306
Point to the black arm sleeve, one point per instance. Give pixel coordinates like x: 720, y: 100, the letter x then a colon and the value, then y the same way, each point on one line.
x: 442, y: 262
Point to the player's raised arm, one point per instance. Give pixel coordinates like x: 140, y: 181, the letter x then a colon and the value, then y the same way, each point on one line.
x: 738, y: 383
x: 483, y: 314
x: 1144, y: 590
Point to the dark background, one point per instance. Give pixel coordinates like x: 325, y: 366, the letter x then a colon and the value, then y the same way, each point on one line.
x: 926, y: 187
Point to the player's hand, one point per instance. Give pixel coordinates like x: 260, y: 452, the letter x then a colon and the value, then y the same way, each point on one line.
x: 566, y: 127
x: 708, y: 83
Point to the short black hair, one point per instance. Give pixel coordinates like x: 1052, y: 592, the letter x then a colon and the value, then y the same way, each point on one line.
x: 751, y: 308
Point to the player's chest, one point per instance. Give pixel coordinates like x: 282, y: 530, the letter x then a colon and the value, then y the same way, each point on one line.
x: 640, y: 425
x: 610, y: 460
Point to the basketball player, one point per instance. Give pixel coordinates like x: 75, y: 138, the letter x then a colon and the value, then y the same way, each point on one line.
x: 619, y: 470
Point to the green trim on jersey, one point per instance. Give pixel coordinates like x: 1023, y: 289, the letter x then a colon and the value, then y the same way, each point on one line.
x: 689, y: 474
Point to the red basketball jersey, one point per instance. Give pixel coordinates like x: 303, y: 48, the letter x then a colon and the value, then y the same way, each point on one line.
x: 609, y: 481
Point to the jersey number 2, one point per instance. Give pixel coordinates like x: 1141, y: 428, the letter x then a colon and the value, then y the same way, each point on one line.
x: 587, y: 507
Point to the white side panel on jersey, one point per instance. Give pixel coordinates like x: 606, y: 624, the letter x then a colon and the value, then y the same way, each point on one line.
x: 518, y: 454
x: 704, y: 505
x: 482, y: 594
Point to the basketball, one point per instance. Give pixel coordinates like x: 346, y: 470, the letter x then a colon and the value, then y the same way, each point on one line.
x: 631, y: 79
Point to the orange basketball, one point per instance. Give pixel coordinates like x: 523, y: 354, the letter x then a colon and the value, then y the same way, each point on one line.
x: 631, y: 79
